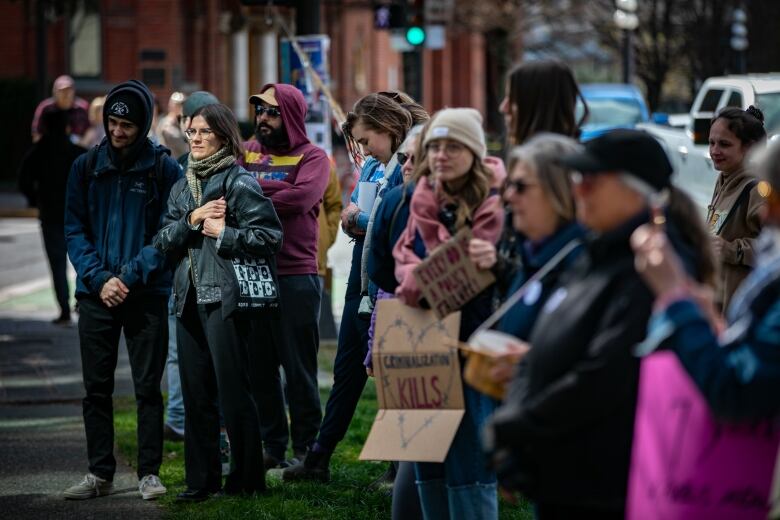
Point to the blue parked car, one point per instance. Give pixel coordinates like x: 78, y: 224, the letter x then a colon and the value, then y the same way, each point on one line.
x: 610, y: 106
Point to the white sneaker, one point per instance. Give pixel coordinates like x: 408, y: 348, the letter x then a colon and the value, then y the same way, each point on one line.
x: 151, y: 487
x: 91, y: 487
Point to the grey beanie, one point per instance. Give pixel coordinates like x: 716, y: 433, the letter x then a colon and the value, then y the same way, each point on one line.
x: 196, y: 100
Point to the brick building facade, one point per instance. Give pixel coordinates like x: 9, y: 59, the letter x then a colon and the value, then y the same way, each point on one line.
x: 222, y: 46
x: 227, y: 48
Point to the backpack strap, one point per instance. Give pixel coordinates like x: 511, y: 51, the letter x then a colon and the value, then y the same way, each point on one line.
x: 85, y: 177
x: 229, y: 178
x: 154, y: 190
x: 743, y: 197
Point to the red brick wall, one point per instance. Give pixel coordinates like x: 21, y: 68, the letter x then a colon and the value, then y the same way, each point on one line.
x: 197, y: 50
x: 193, y: 42
x: 14, y: 39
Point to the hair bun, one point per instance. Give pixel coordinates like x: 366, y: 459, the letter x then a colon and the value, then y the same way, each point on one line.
x: 755, y: 112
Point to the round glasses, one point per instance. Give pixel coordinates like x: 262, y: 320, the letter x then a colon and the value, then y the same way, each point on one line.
x: 205, y: 133
x: 449, y: 149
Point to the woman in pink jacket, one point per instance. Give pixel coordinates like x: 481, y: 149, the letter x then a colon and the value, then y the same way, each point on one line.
x: 454, y: 191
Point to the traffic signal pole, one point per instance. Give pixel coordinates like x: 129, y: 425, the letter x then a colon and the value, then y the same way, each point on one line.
x: 307, y: 17
x: 413, y: 60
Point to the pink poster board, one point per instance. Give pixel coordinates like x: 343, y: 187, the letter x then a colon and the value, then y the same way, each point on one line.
x: 685, y: 464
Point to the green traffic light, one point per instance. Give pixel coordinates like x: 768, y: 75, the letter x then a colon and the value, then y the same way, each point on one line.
x: 415, y: 35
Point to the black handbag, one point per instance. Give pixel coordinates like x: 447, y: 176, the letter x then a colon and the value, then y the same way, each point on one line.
x: 254, y: 285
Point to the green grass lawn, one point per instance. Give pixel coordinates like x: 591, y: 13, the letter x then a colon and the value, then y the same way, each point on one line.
x: 346, y: 497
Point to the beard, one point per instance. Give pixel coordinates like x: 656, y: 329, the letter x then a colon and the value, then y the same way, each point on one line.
x: 276, y: 138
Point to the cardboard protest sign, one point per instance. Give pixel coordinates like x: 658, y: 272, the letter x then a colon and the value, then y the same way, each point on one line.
x: 418, y: 384
x: 685, y: 464
x: 448, y: 279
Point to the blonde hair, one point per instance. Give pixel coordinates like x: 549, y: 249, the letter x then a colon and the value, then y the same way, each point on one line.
x: 540, y: 154
x: 472, y: 192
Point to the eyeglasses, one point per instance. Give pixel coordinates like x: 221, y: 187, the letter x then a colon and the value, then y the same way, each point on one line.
x: 271, y: 111
x: 520, y: 186
x: 205, y: 133
x: 449, y: 149
x: 402, y: 157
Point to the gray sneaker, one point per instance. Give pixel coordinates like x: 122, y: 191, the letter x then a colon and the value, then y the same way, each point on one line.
x: 91, y: 487
x: 150, y: 487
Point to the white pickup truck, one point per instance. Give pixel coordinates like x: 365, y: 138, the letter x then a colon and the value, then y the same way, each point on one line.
x: 688, y: 147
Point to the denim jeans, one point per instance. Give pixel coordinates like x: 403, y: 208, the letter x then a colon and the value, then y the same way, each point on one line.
x: 461, y: 487
x: 175, y: 409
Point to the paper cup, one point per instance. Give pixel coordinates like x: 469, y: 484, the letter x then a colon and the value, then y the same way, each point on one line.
x: 484, y: 352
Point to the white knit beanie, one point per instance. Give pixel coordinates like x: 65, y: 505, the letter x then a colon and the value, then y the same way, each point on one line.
x: 459, y: 124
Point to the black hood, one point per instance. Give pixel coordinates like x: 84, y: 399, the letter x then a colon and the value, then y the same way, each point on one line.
x: 140, y: 90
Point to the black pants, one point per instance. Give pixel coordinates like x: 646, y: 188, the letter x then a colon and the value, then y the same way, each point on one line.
x: 143, y: 319
x: 349, y: 373
x: 213, y: 364
x: 291, y: 340
x: 406, y: 501
x: 57, y: 252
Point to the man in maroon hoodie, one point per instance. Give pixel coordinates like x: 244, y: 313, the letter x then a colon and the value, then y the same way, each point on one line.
x: 293, y: 173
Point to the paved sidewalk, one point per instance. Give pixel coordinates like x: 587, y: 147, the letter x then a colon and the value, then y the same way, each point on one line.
x: 42, y: 443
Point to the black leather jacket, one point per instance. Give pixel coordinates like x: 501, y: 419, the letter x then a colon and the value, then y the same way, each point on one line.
x: 252, y: 229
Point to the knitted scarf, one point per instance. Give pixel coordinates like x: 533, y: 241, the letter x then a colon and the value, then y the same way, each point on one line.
x: 199, y: 170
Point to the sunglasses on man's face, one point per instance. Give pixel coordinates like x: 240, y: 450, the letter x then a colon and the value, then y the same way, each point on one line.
x: 271, y: 111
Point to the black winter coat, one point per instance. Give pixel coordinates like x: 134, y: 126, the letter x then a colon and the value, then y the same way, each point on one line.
x: 43, y: 176
x: 252, y: 230
x: 570, y: 417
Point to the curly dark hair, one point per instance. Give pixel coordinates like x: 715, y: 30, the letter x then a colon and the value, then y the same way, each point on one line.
x: 747, y: 125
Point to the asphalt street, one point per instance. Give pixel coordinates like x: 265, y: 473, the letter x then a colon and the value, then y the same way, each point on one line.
x: 42, y: 443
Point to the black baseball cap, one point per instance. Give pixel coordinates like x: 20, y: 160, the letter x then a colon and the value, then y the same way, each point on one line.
x: 632, y: 151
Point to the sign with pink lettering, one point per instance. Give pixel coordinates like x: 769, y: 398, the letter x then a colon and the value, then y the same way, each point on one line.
x: 418, y: 384
x: 686, y: 464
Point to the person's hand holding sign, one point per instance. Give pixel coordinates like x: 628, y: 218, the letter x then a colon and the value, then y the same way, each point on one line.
x: 482, y: 253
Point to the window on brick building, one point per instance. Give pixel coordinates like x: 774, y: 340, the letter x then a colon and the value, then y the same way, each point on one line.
x: 85, y: 40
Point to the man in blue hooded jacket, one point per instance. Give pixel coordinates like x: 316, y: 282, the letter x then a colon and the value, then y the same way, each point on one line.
x: 116, y: 197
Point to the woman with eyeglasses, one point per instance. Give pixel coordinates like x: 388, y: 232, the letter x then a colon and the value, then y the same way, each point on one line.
x: 540, y: 197
x: 453, y: 192
x: 374, y: 130
x: 216, y: 212
x: 539, y: 194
